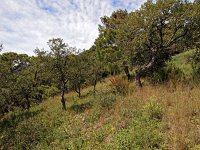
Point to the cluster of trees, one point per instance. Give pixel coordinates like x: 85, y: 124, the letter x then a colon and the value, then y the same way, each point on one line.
x: 141, y: 41
x: 26, y: 81
x: 150, y: 36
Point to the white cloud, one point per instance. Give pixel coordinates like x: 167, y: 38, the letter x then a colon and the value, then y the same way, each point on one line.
x: 27, y: 24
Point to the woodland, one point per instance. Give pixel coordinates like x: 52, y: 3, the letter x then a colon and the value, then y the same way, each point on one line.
x: 137, y: 87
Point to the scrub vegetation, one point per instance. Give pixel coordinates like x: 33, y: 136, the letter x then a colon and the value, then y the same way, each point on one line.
x: 137, y: 87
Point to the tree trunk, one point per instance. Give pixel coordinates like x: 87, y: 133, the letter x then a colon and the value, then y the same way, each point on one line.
x: 94, y: 86
x: 63, y: 99
x: 142, y: 70
x: 126, y: 70
x: 138, y: 83
x: 79, y: 91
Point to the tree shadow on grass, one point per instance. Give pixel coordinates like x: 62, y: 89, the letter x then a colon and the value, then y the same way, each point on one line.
x: 9, y: 124
x: 85, y: 95
x: 13, y: 120
x: 79, y: 108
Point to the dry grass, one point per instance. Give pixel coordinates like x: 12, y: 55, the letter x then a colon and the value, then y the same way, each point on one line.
x: 98, y: 126
x: 119, y: 85
x: 181, y: 115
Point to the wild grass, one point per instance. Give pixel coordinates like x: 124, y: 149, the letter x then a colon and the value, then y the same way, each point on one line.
x: 155, y: 117
x: 181, y: 110
x: 119, y: 85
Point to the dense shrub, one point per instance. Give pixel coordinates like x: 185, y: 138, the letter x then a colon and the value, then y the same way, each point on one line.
x: 158, y: 76
x: 168, y: 73
x: 47, y: 91
x: 174, y: 73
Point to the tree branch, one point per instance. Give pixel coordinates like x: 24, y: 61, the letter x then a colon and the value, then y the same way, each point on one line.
x: 173, y: 39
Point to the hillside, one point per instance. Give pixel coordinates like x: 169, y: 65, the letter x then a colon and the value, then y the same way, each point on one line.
x: 181, y: 61
x: 129, y: 80
x: 164, y: 117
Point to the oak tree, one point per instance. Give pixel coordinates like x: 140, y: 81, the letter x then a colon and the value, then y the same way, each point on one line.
x: 60, y: 53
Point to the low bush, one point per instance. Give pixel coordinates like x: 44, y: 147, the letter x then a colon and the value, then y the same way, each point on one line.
x: 153, y: 110
x: 158, y: 76
x: 174, y: 73
x: 119, y: 85
x: 47, y: 91
x: 168, y: 73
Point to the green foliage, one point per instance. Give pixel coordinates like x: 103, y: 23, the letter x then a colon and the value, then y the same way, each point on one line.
x: 158, y: 76
x: 25, y: 134
x: 169, y: 73
x: 78, y: 72
x: 123, y: 140
x: 96, y: 67
x: 1, y: 47
x: 153, y: 110
x: 80, y: 107
x: 105, y: 44
x: 145, y: 130
x: 47, y: 91
x: 95, y: 115
x: 77, y: 143
x: 23, y: 81
x: 99, y: 137
x: 106, y: 100
x: 175, y: 74
x: 195, y: 61
x: 182, y: 61
x: 142, y: 41
x: 60, y: 53
x: 149, y: 36
x: 135, y: 122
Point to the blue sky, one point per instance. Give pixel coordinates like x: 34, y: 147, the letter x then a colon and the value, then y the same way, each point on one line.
x: 27, y: 24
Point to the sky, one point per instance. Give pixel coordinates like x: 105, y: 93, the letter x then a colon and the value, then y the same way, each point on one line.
x: 28, y: 24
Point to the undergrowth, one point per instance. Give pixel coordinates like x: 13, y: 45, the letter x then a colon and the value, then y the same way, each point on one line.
x: 155, y: 117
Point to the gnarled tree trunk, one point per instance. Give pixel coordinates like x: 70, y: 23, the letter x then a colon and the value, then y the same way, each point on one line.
x: 140, y: 71
x: 138, y: 82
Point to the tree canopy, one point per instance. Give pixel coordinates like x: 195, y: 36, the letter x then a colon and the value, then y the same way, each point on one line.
x: 137, y: 43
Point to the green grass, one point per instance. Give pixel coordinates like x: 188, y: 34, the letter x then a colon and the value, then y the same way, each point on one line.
x: 181, y: 61
x: 91, y: 122
x: 156, y: 117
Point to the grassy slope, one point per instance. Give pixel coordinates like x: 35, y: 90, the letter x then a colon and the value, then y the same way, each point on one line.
x: 181, y: 61
x: 164, y: 117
